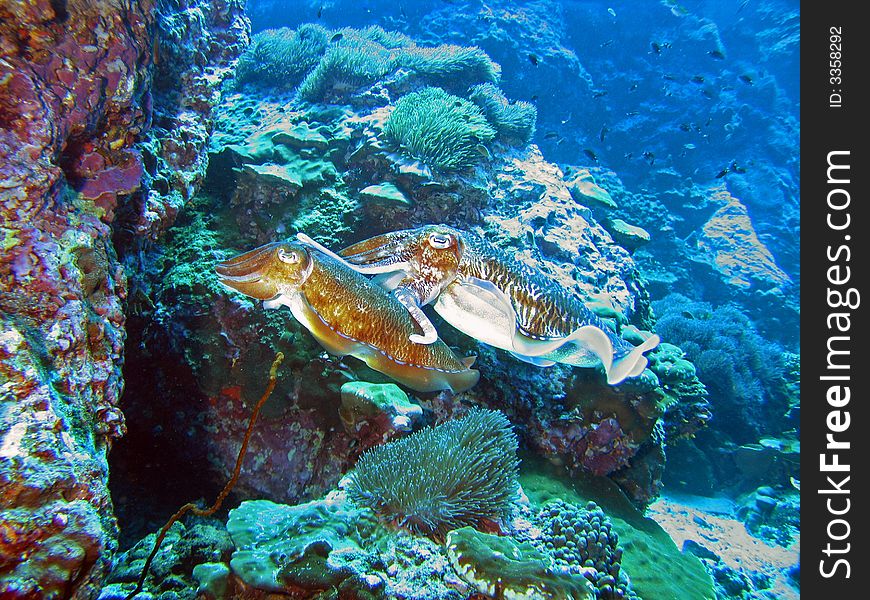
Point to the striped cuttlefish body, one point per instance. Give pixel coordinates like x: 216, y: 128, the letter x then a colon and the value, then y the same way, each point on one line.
x: 484, y: 293
x: 347, y: 313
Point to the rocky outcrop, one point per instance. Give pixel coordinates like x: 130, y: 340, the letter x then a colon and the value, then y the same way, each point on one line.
x: 75, y: 105
x: 70, y: 107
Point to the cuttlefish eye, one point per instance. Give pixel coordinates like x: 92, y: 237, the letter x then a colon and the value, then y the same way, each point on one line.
x: 290, y: 257
x: 440, y: 240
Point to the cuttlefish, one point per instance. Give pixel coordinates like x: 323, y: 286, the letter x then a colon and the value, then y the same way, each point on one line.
x: 481, y: 291
x: 347, y: 313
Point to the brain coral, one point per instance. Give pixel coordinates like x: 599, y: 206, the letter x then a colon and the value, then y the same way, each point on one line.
x: 457, y: 474
x: 442, y: 130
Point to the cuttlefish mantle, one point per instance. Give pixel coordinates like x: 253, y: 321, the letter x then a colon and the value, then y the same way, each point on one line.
x: 347, y: 313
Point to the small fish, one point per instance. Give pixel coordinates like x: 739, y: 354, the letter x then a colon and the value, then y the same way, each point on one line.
x: 603, y: 132
x: 320, y: 11
x: 533, y: 58
x: 633, y: 87
x: 650, y: 157
x: 747, y: 80
x: 735, y: 168
x: 628, y: 155
x: 656, y: 47
x: 707, y: 94
x: 591, y: 154
x: 534, y: 98
x: 599, y: 93
x: 689, y: 146
x: 723, y: 173
x: 676, y: 9
x: 612, y: 12
x: 717, y: 54
x: 698, y: 79
x: 669, y: 77
x: 607, y: 43
x: 559, y: 143
x: 632, y: 113
x: 685, y: 127
x: 551, y: 135
x: 336, y: 38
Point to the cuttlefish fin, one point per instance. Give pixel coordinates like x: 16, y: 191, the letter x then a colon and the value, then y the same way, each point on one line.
x: 590, y: 337
x: 534, y: 360
x: 633, y: 363
x: 399, y: 266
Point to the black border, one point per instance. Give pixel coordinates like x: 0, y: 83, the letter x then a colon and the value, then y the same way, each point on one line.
x: 825, y: 129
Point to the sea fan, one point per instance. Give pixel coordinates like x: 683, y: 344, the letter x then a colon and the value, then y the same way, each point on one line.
x: 454, y: 475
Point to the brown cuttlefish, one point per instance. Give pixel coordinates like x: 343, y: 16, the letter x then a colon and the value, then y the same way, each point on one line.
x: 487, y: 294
x: 347, y: 314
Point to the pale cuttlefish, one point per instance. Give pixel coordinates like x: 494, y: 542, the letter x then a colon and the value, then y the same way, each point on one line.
x: 347, y: 313
x: 481, y: 291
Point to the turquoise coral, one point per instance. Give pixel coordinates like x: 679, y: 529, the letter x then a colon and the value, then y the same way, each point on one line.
x: 463, y: 472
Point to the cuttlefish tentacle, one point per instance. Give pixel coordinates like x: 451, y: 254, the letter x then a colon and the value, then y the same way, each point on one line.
x: 346, y: 313
x: 484, y: 293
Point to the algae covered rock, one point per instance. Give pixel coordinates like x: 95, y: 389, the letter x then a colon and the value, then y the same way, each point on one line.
x: 380, y: 408
x: 301, y: 548
x: 384, y: 193
x: 499, y: 567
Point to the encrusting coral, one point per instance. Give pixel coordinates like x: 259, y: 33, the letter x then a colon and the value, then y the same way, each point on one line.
x: 461, y: 473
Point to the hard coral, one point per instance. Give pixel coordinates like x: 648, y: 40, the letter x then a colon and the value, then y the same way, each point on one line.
x: 440, y: 129
x: 463, y: 472
x: 585, y: 537
x: 501, y: 568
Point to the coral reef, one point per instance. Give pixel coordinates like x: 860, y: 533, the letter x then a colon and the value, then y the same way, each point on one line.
x: 459, y: 473
x: 375, y: 412
x: 439, y: 129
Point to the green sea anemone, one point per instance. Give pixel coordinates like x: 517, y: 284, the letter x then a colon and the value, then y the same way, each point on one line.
x: 454, y: 475
x: 282, y: 57
x: 514, y: 121
x: 444, y: 131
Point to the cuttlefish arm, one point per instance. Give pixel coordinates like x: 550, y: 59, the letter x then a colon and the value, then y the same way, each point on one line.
x: 388, y: 272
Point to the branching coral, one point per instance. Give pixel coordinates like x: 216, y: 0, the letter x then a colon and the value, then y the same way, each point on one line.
x: 458, y: 474
x: 585, y: 537
x: 442, y: 130
x: 281, y: 57
x: 514, y: 121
